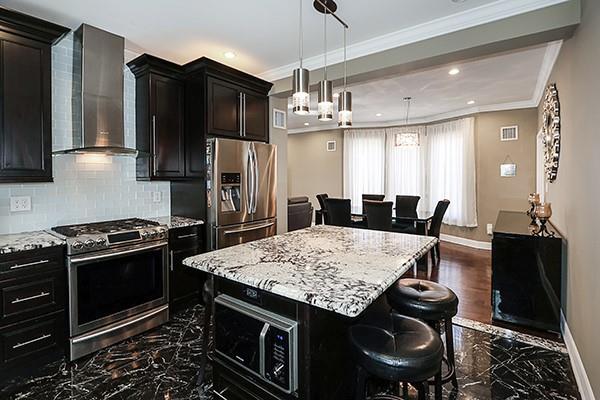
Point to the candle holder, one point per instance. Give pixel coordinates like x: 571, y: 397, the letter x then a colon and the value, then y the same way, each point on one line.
x: 543, y: 212
x: 534, y: 201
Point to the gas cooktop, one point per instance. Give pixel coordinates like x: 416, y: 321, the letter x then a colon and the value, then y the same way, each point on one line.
x: 83, y: 238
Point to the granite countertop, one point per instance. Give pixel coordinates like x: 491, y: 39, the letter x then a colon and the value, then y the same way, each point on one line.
x: 338, y: 269
x: 173, y: 221
x: 15, y: 242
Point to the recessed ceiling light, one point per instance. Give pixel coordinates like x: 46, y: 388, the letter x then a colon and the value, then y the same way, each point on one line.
x: 306, y: 124
x: 378, y: 114
x: 470, y: 102
x: 229, y: 54
x: 454, y: 71
x: 458, y: 1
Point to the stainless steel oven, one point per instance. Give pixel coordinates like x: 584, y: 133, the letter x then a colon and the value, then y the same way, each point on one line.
x: 116, y: 293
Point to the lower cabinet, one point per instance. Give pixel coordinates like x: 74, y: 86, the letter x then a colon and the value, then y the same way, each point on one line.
x: 33, y: 293
x: 184, y: 282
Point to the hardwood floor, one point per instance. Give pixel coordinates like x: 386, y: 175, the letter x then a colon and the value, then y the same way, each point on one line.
x: 468, y: 272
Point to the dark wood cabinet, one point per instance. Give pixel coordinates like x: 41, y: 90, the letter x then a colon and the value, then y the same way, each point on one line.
x: 33, y: 294
x: 160, y: 122
x: 184, y: 282
x: 256, y: 116
x: 25, y: 93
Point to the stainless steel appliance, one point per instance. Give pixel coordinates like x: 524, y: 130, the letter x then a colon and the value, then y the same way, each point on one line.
x: 118, y: 281
x: 259, y: 341
x: 241, y: 191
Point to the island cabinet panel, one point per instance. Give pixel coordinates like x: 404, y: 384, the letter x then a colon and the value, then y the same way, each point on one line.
x: 526, y: 274
x: 25, y: 97
x: 184, y: 282
x: 33, y: 293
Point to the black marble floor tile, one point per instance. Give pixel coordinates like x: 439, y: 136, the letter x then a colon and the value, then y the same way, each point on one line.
x: 164, y: 364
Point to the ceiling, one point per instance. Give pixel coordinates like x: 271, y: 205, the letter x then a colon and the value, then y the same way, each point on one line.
x: 263, y: 33
x: 504, y: 81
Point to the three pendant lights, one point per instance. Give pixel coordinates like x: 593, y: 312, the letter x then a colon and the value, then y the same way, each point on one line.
x: 301, y: 82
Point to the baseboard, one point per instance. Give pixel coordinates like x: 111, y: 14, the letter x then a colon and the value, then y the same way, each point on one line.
x: 466, y: 242
x: 583, y: 382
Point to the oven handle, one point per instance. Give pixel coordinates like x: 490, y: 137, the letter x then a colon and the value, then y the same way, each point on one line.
x: 114, y: 328
x: 118, y: 254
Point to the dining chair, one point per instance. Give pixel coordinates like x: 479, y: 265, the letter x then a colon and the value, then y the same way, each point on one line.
x: 338, y: 212
x: 371, y: 197
x: 322, y: 213
x: 379, y: 214
x: 406, y: 206
x: 436, y: 225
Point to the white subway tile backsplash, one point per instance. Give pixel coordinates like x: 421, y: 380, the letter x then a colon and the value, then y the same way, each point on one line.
x: 83, y: 189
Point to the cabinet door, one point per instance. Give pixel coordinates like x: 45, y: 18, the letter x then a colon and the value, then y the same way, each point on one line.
x: 25, y: 126
x: 166, y: 129
x: 256, y: 116
x: 185, y: 282
x: 224, y: 108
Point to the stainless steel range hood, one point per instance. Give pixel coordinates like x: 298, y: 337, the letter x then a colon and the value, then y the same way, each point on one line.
x: 98, y: 63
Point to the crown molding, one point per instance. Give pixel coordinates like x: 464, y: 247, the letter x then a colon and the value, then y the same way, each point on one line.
x: 484, y: 14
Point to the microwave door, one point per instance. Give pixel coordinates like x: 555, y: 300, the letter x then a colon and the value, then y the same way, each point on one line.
x: 230, y: 182
x: 265, y: 175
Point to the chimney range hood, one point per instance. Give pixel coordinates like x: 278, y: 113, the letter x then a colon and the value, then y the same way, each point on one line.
x: 97, y: 102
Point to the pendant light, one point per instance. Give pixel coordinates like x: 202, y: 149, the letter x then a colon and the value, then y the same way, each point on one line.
x: 407, y: 138
x: 301, y: 95
x: 325, y: 104
x: 345, y: 98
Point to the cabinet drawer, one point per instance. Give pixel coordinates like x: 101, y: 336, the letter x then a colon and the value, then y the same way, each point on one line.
x: 31, y: 339
x: 31, y: 261
x: 184, y: 238
x: 32, y: 295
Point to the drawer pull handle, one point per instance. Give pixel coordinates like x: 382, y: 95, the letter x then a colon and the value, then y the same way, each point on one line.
x: 37, y: 296
x: 16, y: 346
x: 16, y: 266
x: 187, y: 236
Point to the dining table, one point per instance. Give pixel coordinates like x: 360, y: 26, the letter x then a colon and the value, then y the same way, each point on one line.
x: 420, y: 222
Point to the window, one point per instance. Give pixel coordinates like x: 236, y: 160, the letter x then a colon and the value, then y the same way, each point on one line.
x: 441, y: 167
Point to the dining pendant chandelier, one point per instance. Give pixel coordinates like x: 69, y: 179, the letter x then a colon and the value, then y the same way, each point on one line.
x: 407, y: 138
x: 345, y: 97
x: 325, y: 104
x: 301, y: 77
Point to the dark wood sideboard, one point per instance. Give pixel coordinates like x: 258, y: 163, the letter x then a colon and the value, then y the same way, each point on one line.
x: 526, y: 274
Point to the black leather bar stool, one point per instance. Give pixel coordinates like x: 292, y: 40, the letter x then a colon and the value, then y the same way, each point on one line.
x: 401, y: 349
x: 434, y: 303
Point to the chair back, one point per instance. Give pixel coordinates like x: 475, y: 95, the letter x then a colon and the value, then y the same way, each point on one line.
x: 406, y: 206
x: 300, y: 213
x: 321, y: 199
x: 379, y: 214
x: 438, y: 216
x: 338, y: 212
x: 371, y: 197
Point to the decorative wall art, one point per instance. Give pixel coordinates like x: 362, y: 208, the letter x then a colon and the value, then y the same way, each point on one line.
x: 551, y: 131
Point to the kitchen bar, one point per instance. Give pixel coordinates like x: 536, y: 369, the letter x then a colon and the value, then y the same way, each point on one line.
x: 323, y: 278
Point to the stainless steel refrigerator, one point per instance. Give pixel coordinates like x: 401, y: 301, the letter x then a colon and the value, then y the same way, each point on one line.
x: 241, y: 191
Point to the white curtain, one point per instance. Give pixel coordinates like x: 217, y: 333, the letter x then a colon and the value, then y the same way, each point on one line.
x: 451, y: 170
x: 405, y: 166
x: 364, y: 164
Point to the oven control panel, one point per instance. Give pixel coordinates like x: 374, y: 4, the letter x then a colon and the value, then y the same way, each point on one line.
x: 87, y: 243
x: 277, y: 357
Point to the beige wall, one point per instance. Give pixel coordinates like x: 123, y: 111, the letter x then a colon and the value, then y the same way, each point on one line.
x: 575, y: 193
x: 279, y: 137
x: 312, y: 170
x: 495, y: 193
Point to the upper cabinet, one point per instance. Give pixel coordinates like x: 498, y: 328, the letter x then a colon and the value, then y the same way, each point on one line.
x: 25, y: 93
x: 178, y: 107
x: 160, y: 122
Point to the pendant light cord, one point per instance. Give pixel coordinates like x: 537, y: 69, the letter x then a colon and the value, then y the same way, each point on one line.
x: 345, y: 70
x: 301, y: 43
x: 407, y: 110
x: 325, y: 42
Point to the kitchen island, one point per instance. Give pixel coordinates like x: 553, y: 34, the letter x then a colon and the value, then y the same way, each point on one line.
x: 322, y: 279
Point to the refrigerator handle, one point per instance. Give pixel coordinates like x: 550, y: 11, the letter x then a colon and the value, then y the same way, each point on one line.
x: 241, y: 97
x: 256, y: 178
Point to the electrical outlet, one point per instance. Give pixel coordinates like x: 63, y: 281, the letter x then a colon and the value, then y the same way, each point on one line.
x: 156, y: 197
x: 20, y: 203
x: 490, y: 229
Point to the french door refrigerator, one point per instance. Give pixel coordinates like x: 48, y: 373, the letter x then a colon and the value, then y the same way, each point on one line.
x: 241, y: 191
